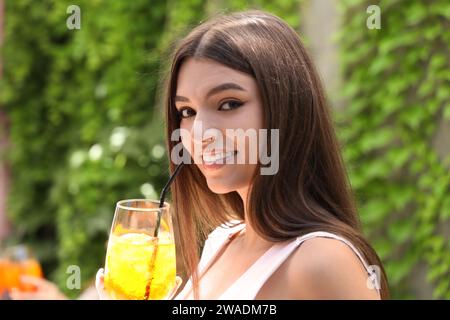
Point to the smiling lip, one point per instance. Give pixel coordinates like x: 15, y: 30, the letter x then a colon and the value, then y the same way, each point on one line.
x: 210, y: 161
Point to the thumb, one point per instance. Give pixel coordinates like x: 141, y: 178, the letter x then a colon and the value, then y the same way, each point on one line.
x: 100, y: 285
x: 99, y: 278
x: 178, y: 282
x: 39, y: 283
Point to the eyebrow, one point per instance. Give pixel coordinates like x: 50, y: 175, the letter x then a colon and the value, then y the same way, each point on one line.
x: 215, y: 90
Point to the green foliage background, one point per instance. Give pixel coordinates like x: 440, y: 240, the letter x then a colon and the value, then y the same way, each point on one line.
x: 65, y: 92
x: 397, y: 88
x: 86, y: 128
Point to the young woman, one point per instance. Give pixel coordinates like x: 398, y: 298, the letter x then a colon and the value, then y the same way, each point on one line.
x: 293, y: 234
x: 298, y: 235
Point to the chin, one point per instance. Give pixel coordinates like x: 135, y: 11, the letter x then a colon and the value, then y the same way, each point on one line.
x: 219, y: 188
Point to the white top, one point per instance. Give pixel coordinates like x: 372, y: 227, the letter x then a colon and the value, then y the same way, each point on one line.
x: 247, y: 286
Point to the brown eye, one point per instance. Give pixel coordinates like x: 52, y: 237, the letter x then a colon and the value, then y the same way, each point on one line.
x: 186, y: 112
x: 230, y: 105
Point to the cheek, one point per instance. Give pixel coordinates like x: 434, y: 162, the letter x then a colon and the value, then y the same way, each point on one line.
x: 251, y: 117
x: 186, y: 138
x: 248, y: 145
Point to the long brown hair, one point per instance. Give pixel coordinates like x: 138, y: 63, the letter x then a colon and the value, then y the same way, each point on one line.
x: 310, y: 191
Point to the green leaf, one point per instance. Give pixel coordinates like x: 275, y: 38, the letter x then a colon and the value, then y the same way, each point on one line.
x: 441, y: 290
x: 447, y: 112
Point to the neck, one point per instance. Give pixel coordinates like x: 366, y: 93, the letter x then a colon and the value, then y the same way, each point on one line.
x: 250, y: 239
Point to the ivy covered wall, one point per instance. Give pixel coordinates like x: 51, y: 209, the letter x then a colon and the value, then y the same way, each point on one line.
x: 86, y: 128
x: 396, y: 83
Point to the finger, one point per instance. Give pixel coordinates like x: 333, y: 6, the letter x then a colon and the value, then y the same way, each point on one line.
x: 16, y: 294
x: 35, y: 281
x: 99, y: 278
x: 100, y: 286
x: 178, y: 282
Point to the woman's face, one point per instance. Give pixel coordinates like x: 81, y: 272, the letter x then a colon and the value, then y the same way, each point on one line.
x: 210, y: 99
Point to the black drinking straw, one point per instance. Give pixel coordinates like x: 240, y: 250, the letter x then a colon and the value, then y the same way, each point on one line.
x: 163, y: 196
x: 158, y: 223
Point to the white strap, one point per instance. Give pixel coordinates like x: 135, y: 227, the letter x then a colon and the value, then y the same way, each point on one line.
x: 258, y: 274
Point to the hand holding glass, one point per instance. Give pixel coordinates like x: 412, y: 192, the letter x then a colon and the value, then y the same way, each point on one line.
x: 140, y: 266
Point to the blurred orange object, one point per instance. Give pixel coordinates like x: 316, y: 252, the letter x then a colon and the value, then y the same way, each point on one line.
x: 10, y: 273
x: 3, y: 280
x: 17, y: 262
x: 29, y: 267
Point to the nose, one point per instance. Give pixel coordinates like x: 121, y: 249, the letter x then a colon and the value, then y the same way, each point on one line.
x: 204, y: 132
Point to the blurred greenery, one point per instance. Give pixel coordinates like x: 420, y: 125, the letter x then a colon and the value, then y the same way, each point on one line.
x: 397, y: 87
x: 85, y: 132
x: 86, y: 128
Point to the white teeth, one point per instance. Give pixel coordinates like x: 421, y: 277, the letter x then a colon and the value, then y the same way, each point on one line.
x: 209, y: 159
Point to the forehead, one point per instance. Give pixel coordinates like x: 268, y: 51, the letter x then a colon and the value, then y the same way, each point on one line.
x: 197, y: 76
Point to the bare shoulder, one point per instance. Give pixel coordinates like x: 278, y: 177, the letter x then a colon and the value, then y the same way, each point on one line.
x: 325, y: 268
